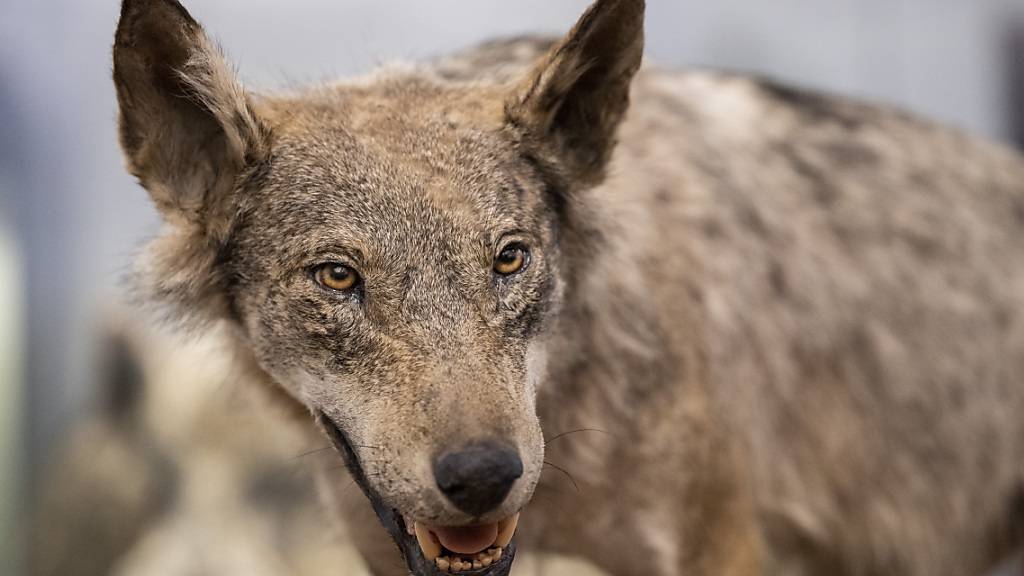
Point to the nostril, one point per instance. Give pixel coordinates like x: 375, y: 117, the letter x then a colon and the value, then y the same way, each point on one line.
x: 477, y: 479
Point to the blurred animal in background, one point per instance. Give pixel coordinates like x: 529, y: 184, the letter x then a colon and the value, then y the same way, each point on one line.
x: 734, y: 328
x: 177, y: 471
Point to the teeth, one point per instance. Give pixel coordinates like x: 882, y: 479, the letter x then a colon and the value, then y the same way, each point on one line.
x: 455, y: 564
x: 506, y: 529
x: 429, y: 543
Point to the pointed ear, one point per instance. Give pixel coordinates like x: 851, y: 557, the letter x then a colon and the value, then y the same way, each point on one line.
x: 573, y: 102
x: 189, y: 133
x: 187, y: 127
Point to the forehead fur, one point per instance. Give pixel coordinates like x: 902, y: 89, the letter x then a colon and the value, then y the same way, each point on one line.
x: 403, y: 155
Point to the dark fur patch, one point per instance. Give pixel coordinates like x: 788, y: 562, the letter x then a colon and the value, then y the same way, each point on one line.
x: 814, y: 106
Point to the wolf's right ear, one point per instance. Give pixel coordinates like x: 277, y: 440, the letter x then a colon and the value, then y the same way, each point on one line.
x: 571, y: 105
x: 186, y: 125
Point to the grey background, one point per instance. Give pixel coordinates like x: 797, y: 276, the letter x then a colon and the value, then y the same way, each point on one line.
x: 77, y: 217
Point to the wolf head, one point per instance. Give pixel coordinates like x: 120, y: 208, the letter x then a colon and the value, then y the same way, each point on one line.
x: 393, y: 251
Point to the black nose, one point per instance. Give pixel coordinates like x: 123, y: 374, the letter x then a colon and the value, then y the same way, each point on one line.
x: 477, y: 479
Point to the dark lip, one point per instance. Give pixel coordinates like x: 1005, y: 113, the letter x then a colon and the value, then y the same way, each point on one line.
x: 393, y: 521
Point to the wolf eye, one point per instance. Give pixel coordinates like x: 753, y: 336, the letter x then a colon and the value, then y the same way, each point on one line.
x: 513, y: 258
x: 336, y: 276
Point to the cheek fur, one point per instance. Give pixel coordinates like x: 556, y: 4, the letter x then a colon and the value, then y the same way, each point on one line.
x: 536, y: 364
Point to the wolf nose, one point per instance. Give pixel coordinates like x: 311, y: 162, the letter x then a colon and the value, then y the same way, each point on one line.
x: 476, y: 479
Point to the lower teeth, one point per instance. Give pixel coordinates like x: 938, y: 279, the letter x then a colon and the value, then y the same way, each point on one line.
x: 479, y: 560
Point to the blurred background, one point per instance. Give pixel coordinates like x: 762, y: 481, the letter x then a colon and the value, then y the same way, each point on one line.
x: 71, y: 218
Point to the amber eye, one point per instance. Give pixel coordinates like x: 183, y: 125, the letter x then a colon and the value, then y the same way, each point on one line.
x: 513, y: 258
x: 336, y: 276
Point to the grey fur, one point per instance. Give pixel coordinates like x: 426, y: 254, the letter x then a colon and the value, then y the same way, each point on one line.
x: 796, y: 320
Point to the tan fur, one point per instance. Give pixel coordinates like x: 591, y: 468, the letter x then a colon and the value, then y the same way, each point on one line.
x: 788, y: 326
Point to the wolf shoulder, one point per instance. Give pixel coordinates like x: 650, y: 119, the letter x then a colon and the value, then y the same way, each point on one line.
x: 862, y: 201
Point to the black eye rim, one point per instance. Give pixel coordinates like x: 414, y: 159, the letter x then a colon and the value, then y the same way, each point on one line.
x: 519, y: 246
x: 314, y: 274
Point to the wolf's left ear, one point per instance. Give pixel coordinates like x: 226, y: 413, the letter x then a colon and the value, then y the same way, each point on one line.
x: 573, y: 102
x: 187, y: 126
x: 189, y: 133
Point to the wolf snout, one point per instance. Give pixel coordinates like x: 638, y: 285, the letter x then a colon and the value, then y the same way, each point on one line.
x: 476, y: 479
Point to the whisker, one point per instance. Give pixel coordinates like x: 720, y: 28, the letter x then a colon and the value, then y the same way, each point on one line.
x: 563, y: 434
x: 317, y: 450
x: 543, y: 487
x: 311, y: 452
x: 567, y: 475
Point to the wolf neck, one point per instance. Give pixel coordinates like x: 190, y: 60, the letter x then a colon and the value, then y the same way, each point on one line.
x: 627, y: 338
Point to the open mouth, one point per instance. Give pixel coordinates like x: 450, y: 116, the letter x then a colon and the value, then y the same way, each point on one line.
x: 484, y: 549
x: 466, y: 549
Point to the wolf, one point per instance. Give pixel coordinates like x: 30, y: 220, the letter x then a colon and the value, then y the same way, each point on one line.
x: 676, y: 322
